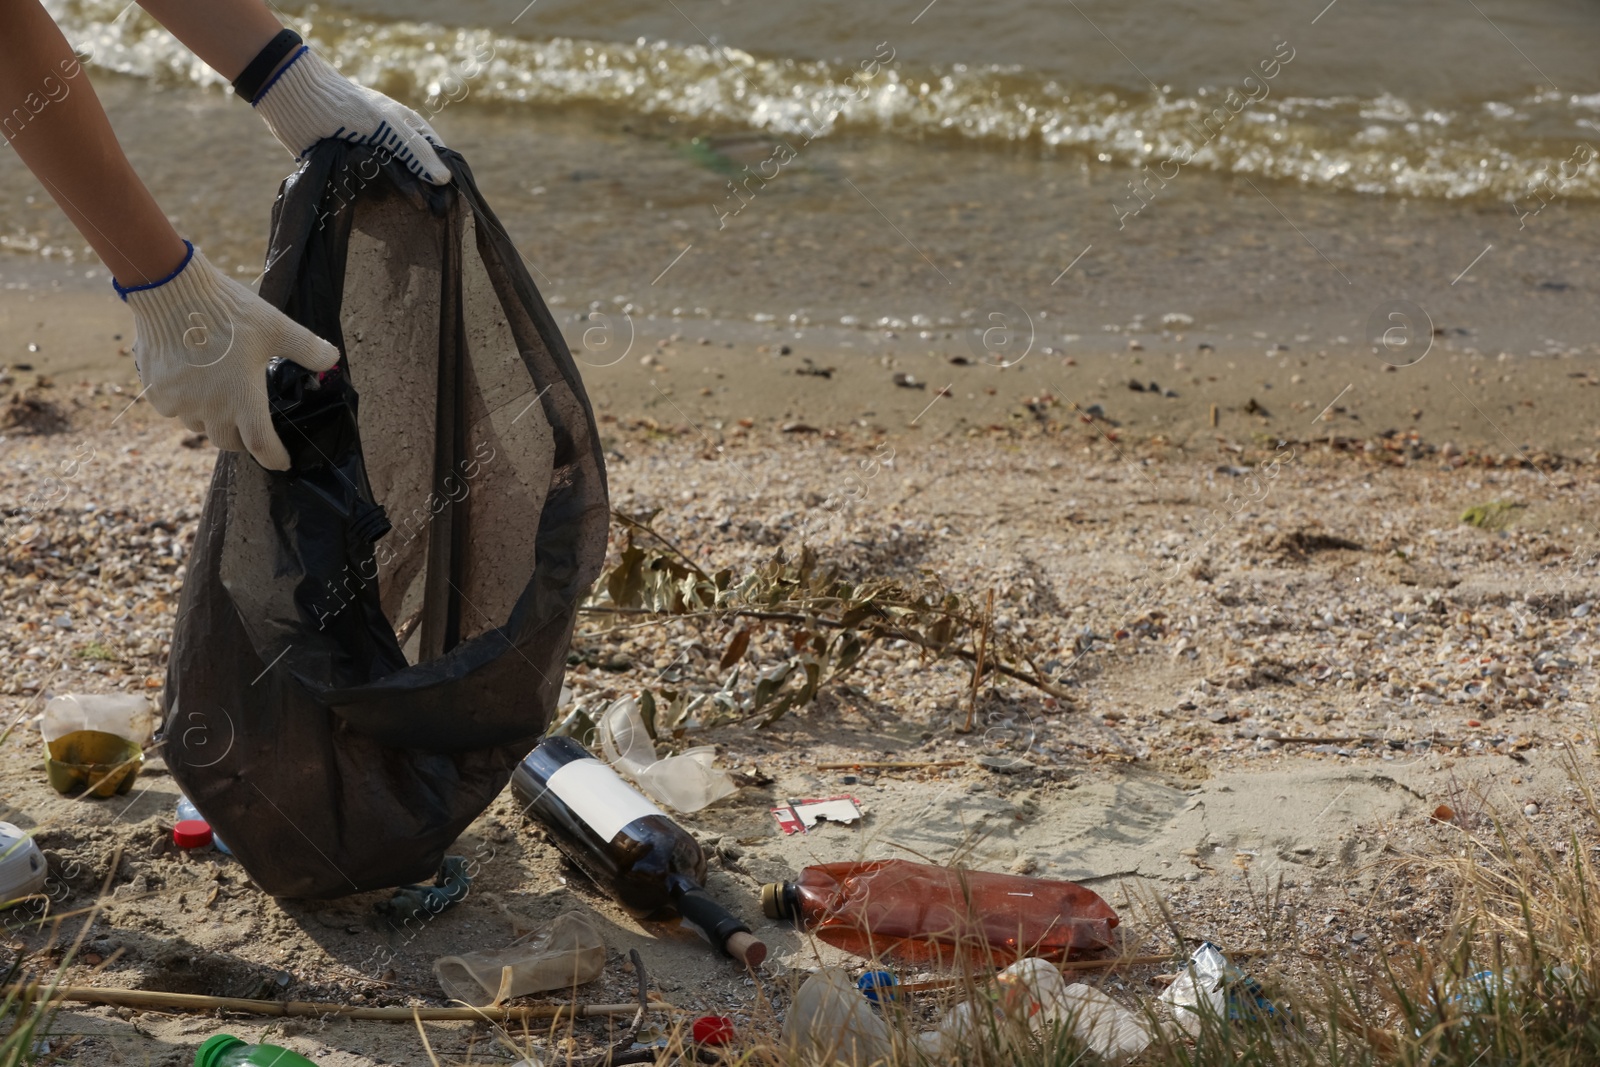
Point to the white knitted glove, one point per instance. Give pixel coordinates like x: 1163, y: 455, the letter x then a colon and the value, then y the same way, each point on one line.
x: 202, y: 343
x: 309, y: 101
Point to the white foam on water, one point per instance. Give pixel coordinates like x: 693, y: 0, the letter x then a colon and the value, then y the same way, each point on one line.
x: 1382, y: 144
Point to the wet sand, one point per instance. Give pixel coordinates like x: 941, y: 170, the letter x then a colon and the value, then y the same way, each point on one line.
x: 711, y: 377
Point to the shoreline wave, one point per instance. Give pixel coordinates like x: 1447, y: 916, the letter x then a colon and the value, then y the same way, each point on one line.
x: 1381, y: 145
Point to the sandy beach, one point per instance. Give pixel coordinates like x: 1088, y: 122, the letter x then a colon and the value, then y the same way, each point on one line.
x: 1268, y: 426
x: 1278, y: 702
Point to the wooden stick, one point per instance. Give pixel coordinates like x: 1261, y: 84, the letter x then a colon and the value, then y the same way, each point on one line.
x: 1447, y: 742
x: 891, y: 765
x: 977, y: 668
x: 146, y: 998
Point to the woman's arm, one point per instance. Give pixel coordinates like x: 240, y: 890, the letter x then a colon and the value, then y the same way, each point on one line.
x: 58, y: 128
x: 311, y: 101
x: 226, y: 34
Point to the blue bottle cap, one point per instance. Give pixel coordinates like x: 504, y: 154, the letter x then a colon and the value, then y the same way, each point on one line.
x: 874, y: 984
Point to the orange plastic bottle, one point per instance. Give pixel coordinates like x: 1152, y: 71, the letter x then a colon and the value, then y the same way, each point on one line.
x: 917, y: 912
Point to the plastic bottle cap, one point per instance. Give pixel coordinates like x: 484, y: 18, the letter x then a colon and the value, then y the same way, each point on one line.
x: 211, y: 1051
x: 713, y: 1030
x: 191, y: 833
x: 878, y: 985
x: 773, y: 905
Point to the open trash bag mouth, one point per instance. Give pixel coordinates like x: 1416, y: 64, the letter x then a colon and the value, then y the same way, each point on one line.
x: 367, y: 644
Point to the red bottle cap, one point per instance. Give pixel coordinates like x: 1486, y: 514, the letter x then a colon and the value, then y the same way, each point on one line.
x: 713, y: 1030
x: 191, y: 833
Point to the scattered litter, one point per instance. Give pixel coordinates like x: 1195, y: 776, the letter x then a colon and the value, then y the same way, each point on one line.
x: 713, y: 1030
x: 830, y: 1022
x: 191, y: 833
x: 1034, y: 998
x: 1198, y: 990
x: 188, y: 813
x: 1033, y: 989
x: 687, y: 782
x: 802, y: 816
x: 92, y: 762
x: 569, y: 952
x: 1212, y: 986
x: 917, y: 911
x: 878, y: 986
x: 23, y: 869
x: 225, y: 1050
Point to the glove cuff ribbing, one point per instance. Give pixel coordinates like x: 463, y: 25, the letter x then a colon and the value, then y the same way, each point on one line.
x: 124, y: 290
x: 191, y: 301
x: 295, y: 103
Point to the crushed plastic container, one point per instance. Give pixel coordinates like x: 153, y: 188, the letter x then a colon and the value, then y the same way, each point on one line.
x: 188, y: 813
x: 92, y: 762
x: 23, y: 869
x: 686, y: 782
x: 916, y: 911
x: 127, y: 715
x: 1211, y: 985
x: 830, y: 1022
x: 569, y: 952
x: 1198, y: 992
x: 225, y: 1050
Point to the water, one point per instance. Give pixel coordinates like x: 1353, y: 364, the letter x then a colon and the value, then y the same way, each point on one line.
x: 1252, y: 165
x: 1427, y: 98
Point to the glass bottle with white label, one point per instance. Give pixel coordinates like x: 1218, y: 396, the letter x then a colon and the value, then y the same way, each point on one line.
x: 631, y: 849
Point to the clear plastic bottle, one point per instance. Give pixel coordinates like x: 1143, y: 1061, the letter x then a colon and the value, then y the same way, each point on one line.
x: 830, y: 1022
x: 188, y: 812
x: 225, y: 1050
x: 916, y: 911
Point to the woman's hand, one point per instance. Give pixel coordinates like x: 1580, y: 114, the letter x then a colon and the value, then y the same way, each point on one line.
x: 202, y: 346
x: 308, y: 101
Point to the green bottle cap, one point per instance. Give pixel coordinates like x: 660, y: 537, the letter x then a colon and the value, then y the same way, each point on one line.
x: 210, y: 1053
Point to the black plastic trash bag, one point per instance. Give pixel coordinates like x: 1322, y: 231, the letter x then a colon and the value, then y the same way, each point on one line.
x: 368, y: 644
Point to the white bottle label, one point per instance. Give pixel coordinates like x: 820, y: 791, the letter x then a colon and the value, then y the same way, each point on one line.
x: 599, y: 796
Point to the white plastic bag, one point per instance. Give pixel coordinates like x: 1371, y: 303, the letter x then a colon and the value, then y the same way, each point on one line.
x: 1199, y: 990
x: 686, y: 782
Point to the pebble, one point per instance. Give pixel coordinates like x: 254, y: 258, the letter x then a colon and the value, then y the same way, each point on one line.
x: 1530, y: 809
